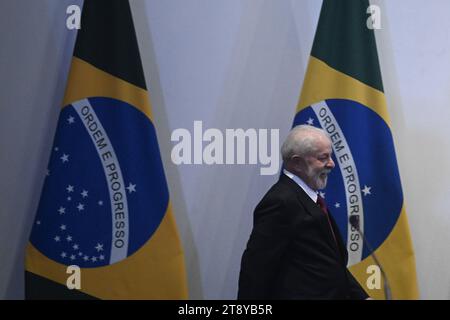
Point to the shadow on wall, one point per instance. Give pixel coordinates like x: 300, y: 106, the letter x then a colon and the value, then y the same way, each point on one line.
x: 140, y: 16
x: 41, y: 49
x: 260, y: 91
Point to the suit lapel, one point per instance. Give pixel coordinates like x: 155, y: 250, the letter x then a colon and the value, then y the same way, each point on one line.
x: 314, y: 210
x: 339, y: 239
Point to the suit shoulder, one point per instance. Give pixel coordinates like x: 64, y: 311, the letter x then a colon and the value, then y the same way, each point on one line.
x: 279, y: 198
x: 280, y: 193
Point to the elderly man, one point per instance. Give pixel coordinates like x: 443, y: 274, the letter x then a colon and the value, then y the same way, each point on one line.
x: 295, y: 250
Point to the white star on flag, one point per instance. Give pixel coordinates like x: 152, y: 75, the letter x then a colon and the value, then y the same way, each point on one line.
x: 69, y: 238
x: 100, y: 203
x: 63, y: 254
x: 99, y: 247
x: 72, y: 257
x: 69, y: 188
x: 56, y: 238
x: 75, y: 246
x: 131, y: 188
x: 65, y: 158
x: 366, y: 190
x: 322, y: 194
x: 71, y: 119
x: 63, y: 227
x: 84, y: 194
x: 310, y: 121
x: 80, y: 207
x: 62, y: 210
x: 337, y: 205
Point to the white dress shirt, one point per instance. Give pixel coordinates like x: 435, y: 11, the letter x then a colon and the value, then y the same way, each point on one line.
x: 310, y: 192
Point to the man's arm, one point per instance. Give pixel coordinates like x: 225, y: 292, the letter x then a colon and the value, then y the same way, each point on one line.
x: 267, y: 244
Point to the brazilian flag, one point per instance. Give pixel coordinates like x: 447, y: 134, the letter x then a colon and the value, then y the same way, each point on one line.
x: 343, y: 94
x: 105, y: 206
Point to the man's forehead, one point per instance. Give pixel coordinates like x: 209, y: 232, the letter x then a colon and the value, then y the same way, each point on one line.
x: 323, y: 145
x: 321, y: 139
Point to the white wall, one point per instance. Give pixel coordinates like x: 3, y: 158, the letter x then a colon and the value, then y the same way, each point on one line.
x: 414, y: 49
x: 231, y: 64
x: 34, y: 61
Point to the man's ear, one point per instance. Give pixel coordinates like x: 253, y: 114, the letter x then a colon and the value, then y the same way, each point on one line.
x: 298, y: 163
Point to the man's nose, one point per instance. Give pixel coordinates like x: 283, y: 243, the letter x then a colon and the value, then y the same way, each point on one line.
x: 330, y: 163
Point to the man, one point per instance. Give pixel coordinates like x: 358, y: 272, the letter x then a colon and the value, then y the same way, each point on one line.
x: 295, y: 250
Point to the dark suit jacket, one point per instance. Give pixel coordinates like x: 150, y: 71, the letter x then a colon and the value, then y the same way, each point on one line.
x: 291, y: 253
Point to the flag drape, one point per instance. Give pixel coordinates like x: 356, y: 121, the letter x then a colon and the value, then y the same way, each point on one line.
x: 105, y: 204
x: 343, y: 94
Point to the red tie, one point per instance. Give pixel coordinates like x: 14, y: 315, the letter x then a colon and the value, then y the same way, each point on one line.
x: 323, y: 206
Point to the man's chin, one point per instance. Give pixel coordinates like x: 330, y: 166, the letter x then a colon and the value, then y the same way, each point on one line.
x: 321, y: 183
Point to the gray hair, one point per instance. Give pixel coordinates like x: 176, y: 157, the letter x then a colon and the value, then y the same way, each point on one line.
x: 300, y: 141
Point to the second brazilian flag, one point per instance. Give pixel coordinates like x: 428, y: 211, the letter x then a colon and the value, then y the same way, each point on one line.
x: 343, y: 94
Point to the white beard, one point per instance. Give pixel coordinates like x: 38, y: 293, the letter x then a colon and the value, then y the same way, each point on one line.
x: 317, y: 179
x: 321, y: 182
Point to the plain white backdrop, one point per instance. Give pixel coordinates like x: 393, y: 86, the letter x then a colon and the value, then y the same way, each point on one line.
x: 231, y: 64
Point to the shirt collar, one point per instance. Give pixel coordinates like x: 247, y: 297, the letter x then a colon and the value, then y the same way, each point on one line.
x: 309, y: 191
